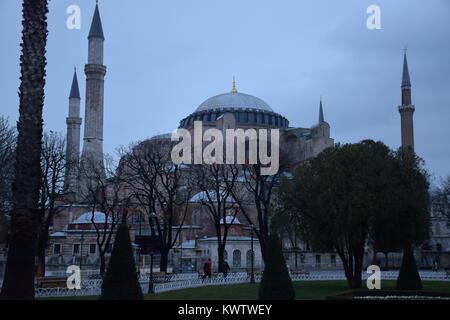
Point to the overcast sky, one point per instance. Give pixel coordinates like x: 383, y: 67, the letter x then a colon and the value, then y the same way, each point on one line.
x: 166, y: 57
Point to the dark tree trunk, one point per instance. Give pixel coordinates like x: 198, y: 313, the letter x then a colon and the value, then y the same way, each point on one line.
x: 220, y: 254
x: 164, y: 260
x: 42, y: 244
x: 358, y: 266
x: 20, y: 266
x: 263, y: 244
x: 19, y: 273
x: 352, y: 269
x: 102, y: 263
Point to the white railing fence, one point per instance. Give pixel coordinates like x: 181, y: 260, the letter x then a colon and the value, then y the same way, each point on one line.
x: 192, y: 280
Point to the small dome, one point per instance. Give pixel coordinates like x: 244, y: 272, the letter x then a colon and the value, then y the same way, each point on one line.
x: 210, y: 195
x: 229, y: 219
x: 235, y: 100
x: 99, y: 217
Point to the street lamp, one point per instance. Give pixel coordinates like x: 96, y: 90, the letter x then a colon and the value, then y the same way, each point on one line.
x: 181, y: 255
x: 252, y: 272
x: 152, y: 216
x: 81, y: 249
x: 139, y: 245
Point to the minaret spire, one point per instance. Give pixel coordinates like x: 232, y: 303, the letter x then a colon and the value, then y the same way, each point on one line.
x: 406, y: 109
x: 96, y: 29
x: 74, y: 90
x: 92, y: 155
x: 405, y: 77
x: 73, y: 122
x: 321, y: 118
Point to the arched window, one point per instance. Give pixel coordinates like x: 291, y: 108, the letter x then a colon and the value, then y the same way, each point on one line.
x: 249, y: 258
x: 236, y: 259
x: 438, y: 229
x: 196, y: 218
x: 225, y: 255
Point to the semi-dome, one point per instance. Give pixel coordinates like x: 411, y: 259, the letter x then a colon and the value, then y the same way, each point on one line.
x: 234, y: 100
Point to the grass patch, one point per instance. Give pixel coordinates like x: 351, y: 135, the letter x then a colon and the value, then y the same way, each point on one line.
x: 304, y: 290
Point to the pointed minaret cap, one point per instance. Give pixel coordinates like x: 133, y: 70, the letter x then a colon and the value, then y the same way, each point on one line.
x: 321, y: 118
x: 74, y: 91
x: 405, y: 78
x: 234, y: 90
x: 96, y: 30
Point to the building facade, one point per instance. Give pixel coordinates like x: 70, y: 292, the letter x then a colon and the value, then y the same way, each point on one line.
x: 74, y: 233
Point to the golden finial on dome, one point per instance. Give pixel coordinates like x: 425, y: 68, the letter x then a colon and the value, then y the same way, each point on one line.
x: 234, y: 90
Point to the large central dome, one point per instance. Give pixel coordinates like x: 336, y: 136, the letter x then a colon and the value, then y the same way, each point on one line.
x: 234, y: 100
x: 248, y: 110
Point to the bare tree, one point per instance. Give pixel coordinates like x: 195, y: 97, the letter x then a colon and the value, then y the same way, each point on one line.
x: 216, y: 183
x: 53, y: 164
x: 256, y: 190
x: 441, y: 199
x: 104, y: 191
x: 158, y: 186
x: 7, y: 155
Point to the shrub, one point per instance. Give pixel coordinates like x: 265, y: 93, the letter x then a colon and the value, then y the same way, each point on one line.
x: 120, y: 281
x: 409, y: 278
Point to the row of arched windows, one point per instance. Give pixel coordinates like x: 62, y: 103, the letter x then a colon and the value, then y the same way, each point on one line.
x: 237, y: 259
x: 241, y: 117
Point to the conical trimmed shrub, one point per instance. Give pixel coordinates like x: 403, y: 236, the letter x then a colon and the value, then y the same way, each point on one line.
x: 276, y: 283
x: 409, y: 278
x: 120, y: 281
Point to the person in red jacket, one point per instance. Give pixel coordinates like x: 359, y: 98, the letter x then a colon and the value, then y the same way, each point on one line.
x: 207, y: 269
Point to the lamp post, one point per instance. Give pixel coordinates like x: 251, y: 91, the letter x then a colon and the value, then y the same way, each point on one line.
x: 81, y: 249
x: 152, y: 216
x: 181, y: 255
x: 139, y: 245
x: 252, y: 272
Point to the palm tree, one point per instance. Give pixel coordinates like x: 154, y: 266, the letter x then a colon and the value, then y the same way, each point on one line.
x: 19, y: 274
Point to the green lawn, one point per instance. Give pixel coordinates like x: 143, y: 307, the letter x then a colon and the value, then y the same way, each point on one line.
x: 305, y: 290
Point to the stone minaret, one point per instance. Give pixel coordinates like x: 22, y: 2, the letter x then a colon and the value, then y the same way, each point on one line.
x: 92, y: 155
x: 321, y: 118
x: 323, y: 128
x: 406, y: 109
x: 73, y: 138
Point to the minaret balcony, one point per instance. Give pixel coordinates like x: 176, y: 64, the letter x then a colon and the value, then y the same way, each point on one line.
x: 73, y: 121
x: 406, y: 107
x: 95, y: 69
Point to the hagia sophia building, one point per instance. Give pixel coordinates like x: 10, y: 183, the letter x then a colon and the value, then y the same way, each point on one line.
x: 73, y: 236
